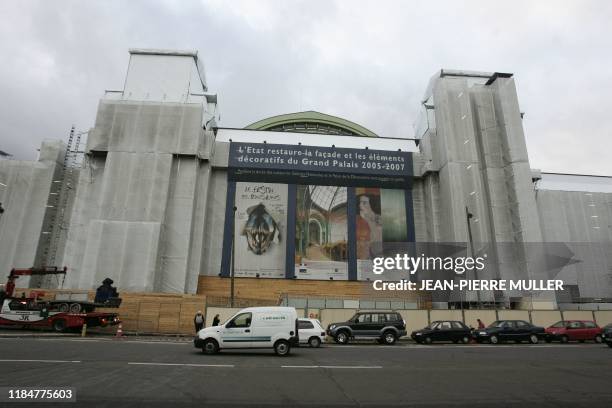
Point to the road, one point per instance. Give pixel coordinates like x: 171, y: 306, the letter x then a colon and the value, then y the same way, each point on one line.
x: 118, y: 373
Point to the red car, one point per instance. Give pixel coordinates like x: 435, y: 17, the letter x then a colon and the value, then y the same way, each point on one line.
x: 574, y: 330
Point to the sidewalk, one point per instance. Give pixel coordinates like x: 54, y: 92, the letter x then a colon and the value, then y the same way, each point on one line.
x: 91, y: 334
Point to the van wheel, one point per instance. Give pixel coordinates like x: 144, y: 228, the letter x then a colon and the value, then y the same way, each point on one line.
x: 59, y: 325
x: 598, y: 339
x: 210, y: 346
x: 282, y: 348
x: 314, y: 342
x: 389, y: 337
x: 533, y: 339
x: 342, y: 337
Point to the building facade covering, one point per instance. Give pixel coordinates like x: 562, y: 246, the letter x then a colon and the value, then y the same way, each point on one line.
x: 163, y: 197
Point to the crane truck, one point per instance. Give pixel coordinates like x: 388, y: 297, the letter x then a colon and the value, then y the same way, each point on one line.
x: 58, y: 314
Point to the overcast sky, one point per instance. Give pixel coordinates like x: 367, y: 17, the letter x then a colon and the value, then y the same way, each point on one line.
x: 368, y: 62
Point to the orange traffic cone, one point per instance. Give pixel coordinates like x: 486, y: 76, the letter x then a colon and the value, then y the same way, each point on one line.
x: 119, y: 333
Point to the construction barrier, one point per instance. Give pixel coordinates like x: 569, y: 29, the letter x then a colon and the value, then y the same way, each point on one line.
x: 161, y: 313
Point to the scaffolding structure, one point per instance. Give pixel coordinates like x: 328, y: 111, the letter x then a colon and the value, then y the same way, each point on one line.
x: 57, y: 218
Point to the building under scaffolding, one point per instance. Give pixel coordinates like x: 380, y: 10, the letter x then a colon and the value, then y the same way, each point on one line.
x: 159, y: 197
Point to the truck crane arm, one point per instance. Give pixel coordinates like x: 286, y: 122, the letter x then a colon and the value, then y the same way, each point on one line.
x: 15, y: 273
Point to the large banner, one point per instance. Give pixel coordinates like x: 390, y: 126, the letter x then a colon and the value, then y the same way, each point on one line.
x: 260, y: 230
x: 319, y: 165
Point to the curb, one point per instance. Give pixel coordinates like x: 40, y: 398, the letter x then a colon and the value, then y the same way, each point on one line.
x: 15, y: 334
x: 37, y: 335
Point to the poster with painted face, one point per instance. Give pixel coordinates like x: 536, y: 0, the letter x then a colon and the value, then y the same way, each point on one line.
x: 381, y: 218
x: 260, y: 230
x: 321, y: 228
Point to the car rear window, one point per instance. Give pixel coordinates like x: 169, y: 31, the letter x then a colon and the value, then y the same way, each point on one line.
x: 304, y: 324
x: 457, y: 325
x: 590, y: 325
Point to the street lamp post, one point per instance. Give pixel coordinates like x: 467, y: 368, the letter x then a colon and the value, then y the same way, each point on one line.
x: 469, y: 216
x: 232, y: 272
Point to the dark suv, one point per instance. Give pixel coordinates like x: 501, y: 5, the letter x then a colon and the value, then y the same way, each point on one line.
x: 386, y: 327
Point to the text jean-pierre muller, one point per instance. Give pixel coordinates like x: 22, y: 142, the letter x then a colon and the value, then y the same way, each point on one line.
x: 465, y: 284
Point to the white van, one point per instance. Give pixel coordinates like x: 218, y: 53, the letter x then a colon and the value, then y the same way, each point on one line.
x: 253, y: 327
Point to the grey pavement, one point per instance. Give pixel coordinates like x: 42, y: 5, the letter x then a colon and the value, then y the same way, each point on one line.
x: 137, y: 372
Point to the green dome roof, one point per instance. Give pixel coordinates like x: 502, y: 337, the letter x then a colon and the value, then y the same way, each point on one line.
x: 311, y: 122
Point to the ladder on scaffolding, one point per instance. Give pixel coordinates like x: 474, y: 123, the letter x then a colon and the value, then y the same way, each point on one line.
x: 62, y: 187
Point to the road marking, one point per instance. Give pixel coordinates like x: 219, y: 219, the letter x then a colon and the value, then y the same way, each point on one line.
x: 492, y: 347
x: 326, y: 366
x: 296, y: 366
x: 109, y: 340
x: 358, y: 367
x: 39, y: 361
x: 157, y: 342
x: 183, y: 364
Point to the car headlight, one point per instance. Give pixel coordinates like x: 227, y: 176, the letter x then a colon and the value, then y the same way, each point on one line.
x: 418, y: 334
x: 482, y: 333
x: 332, y: 327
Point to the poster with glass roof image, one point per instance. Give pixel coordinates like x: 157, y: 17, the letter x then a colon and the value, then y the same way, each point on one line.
x: 260, y: 230
x: 321, y: 233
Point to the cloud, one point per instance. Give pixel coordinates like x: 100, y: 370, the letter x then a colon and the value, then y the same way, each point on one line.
x: 368, y: 62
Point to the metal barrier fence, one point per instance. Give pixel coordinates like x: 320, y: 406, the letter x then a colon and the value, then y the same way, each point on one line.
x: 348, y: 303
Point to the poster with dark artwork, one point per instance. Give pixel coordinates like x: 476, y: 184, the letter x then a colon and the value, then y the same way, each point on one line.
x: 321, y: 233
x: 260, y: 230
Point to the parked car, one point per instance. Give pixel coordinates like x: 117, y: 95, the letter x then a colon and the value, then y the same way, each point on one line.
x: 253, y: 327
x: 606, y: 335
x: 574, y: 330
x: 386, y: 327
x: 510, y: 330
x: 311, y: 332
x: 443, y: 330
